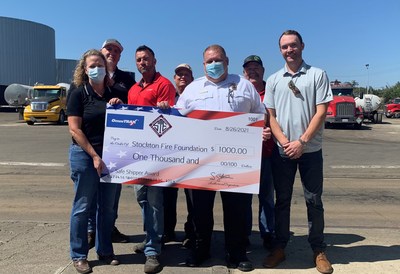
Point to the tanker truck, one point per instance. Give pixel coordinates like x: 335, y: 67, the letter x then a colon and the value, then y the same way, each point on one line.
x: 48, y: 103
x: 370, y: 104
x: 17, y: 97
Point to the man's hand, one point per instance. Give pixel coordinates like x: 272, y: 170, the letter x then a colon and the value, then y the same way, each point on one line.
x: 293, y: 149
x: 266, y: 133
x: 163, y: 105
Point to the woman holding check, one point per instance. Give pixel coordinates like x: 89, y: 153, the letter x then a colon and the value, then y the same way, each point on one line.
x: 86, y: 118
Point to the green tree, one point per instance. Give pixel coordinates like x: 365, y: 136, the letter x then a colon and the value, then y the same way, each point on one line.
x: 391, y: 92
x: 354, y: 83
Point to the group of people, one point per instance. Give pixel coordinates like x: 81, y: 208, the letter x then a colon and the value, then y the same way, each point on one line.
x: 294, y: 101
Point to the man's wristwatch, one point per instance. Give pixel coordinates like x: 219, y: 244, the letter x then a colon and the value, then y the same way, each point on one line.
x: 302, y: 142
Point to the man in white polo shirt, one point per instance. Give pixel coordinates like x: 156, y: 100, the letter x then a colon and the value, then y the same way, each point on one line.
x: 220, y: 91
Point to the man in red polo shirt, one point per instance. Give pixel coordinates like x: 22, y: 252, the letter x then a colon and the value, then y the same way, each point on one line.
x: 150, y: 90
x: 153, y: 87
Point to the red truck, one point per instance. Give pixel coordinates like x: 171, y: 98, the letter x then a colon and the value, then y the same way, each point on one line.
x: 392, y: 110
x: 343, y: 109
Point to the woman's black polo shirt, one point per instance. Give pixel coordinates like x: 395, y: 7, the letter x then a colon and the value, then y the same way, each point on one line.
x: 85, y: 103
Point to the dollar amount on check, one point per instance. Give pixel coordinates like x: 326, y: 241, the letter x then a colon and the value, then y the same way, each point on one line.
x: 209, y: 150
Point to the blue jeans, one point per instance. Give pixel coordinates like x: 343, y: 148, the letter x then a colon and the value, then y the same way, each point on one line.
x: 93, y: 210
x: 87, y: 188
x: 151, y: 199
x: 310, y: 166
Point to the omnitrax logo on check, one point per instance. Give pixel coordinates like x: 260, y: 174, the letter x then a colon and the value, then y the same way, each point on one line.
x: 125, y: 121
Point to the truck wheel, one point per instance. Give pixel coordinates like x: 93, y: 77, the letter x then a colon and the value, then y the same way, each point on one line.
x: 375, y: 118
x: 379, y: 119
x: 61, y: 119
x: 30, y: 123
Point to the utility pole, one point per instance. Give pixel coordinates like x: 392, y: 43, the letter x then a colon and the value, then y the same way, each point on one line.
x: 367, y: 66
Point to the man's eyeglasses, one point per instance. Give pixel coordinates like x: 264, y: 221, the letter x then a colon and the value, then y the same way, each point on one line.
x: 293, y: 87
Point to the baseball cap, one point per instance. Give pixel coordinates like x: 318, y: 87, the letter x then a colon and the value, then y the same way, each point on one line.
x: 113, y: 42
x: 252, y: 58
x: 186, y: 66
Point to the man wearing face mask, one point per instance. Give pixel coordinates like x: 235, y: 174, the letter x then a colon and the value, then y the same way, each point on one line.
x: 220, y: 91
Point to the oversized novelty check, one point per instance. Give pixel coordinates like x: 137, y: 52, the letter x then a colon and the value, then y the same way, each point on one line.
x: 195, y: 149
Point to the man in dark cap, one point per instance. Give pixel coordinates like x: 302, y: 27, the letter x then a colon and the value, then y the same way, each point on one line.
x: 121, y: 81
x: 253, y: 70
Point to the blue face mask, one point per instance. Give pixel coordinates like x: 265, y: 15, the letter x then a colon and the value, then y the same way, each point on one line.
x: 215, y: 69
x: 97, y: 74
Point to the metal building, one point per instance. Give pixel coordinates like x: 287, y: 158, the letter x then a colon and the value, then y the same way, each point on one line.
x: 27, y: 55
x: 65, y: 70
x: 27, y: 52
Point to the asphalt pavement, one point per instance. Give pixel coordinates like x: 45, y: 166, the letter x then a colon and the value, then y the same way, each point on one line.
x: 361, y: 208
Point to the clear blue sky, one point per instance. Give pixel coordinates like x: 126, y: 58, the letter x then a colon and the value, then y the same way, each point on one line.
x: 341, y: 36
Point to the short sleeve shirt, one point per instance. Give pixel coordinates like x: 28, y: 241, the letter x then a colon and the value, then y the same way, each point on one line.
x: 123, y: 81
x: 85, y: 103
x: 294, y: 112
x: 161, y: 89
x: 234, y: 94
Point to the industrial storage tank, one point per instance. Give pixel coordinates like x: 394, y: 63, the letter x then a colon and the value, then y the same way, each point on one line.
x: 18, y: 95
x: 27, y: 52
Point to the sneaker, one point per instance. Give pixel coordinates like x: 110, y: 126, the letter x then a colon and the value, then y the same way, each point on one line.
x: 118, y: 237
x: 139, y: 248
x: 152, y: 265
x: 91, y: 239
x: 274, y: 258
x: 321, y: 262
x: 108, y: 259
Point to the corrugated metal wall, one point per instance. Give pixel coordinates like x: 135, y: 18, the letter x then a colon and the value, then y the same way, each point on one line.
x: 65, y: 70
x: 27, y: 52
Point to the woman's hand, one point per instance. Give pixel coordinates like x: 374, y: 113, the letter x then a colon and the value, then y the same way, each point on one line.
x: 98, y: 164
x: 115, y: 101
